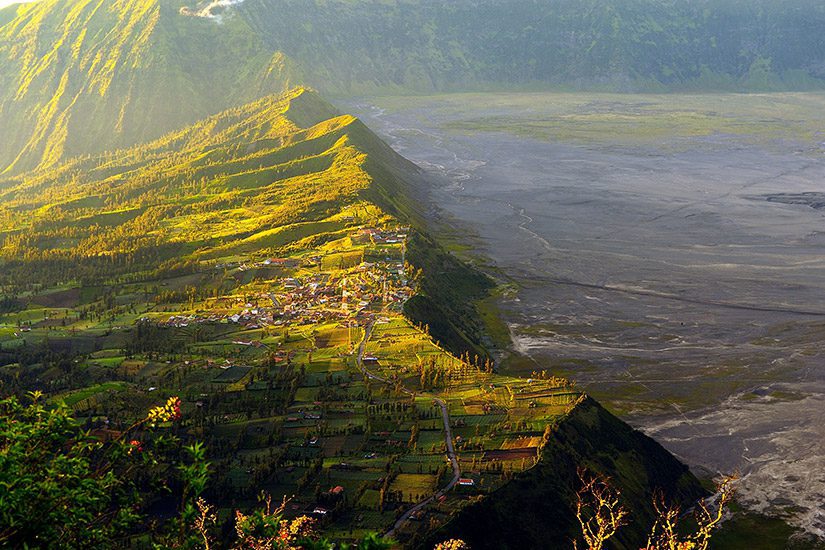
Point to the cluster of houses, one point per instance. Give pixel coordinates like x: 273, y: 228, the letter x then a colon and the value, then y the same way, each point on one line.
x: 318, y: 298
x: 303, y: 295
x: 372, y: 235
x: 285, y: 263
x: 248, y: 318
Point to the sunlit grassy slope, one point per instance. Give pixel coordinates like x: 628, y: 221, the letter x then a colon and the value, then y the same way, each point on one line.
x: 278, y: 175
x: 84, y: 76
x: 247, y: 179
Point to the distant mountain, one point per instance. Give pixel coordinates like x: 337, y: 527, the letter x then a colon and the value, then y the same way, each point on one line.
x: 353, y: 46
x: 85, y: 76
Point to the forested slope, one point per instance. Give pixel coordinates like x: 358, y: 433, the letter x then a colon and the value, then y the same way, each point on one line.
x: 374, y: 45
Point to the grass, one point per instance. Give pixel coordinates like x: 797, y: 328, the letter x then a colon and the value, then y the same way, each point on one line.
x: 748, y: 531
x: 73, y: 398
x: 413, y: 486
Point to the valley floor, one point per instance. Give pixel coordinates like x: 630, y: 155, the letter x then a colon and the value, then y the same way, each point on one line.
x: 665, y: 251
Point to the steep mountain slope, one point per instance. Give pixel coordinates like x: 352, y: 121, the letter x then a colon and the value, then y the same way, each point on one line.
x: 161, y: 269
x: 591, y: 437
x: 84, y: 76
x: 229, y: 180
x: 353, y: 46
x: 256, y: 179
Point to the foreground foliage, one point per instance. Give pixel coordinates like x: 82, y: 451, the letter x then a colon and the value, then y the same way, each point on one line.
x: 64, y: 487
x: 601, y: 514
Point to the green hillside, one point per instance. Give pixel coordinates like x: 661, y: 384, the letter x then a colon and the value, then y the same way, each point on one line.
x: 232, y: 180
x: 356, y: 46
x: 257, y: 179
x: 238, y: 263
x: 85, y: 76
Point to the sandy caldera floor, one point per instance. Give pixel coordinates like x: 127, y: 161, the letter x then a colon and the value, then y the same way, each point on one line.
x: 673, y: 265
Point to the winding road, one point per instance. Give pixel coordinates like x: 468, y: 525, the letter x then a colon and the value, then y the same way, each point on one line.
x: 448, y: 434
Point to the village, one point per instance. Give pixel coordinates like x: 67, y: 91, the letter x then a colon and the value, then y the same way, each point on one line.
x: 303, y: 378
x: 315, y: 289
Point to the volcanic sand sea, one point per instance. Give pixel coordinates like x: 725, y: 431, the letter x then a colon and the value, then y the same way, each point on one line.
x: 657, y: 266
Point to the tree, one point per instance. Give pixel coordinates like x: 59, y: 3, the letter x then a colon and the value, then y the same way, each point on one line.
x: 64, y: 488
x: 266, y: 529
x: 452, y: 544
x: 60, y: 487
x: 601, y: 515
x: 664, y: 535
x: 598, y: 509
